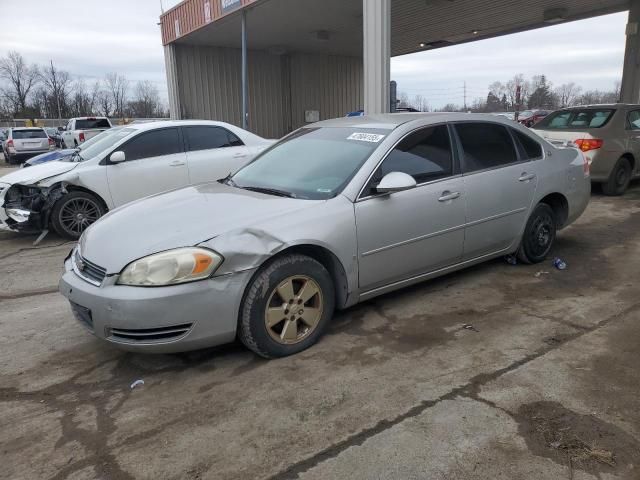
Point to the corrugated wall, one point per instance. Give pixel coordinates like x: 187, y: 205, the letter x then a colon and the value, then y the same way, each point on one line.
x: 281, y: 88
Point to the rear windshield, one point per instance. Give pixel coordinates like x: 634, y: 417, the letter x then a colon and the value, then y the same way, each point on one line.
x: 92, y: 123
x: 576, y: 119
x: 27, y: 134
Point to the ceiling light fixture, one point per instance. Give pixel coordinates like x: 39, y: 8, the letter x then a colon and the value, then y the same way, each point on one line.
x: 555, y: 15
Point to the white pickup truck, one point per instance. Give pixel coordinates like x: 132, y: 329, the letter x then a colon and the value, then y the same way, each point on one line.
x: 81, y: 129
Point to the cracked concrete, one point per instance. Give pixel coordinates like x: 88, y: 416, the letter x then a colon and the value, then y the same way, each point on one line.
x: 397, y: 389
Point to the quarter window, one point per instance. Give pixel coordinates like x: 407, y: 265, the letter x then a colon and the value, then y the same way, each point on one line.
x: 156, y: 143
x: 485, y: 145
x: 528, y: 147
x: 207, y: 138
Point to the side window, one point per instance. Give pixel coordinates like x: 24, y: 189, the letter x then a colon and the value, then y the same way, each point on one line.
x: 528, y: 147
x: 155, y: 143
x: 207, y: 138
x: 485, y: 145
x: 425, y: 155
x: 634, y: 120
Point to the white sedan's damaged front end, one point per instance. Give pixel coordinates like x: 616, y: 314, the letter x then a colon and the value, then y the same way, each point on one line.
x: 26, y: 208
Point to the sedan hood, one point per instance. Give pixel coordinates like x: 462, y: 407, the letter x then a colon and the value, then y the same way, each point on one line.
x: 37, y: 173
x: 180, y: 218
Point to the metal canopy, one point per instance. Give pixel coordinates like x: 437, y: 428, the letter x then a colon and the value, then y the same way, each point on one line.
x: 335, y: 26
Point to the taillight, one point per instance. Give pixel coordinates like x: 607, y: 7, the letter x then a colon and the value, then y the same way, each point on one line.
x: 81, y: 136
x: 51, y: 142
x: 586, y: 144
x: 9, y: 143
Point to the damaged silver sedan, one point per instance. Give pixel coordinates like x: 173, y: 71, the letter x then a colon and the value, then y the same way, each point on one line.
x: 334, y: 214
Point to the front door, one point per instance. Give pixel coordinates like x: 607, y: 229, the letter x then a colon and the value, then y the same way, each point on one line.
x: 155, y: 162
x: 416, y: 231
x: 500, y: 180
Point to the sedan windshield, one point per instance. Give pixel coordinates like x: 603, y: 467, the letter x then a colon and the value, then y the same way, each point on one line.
x: 100, y: 143
x: 311, y: 163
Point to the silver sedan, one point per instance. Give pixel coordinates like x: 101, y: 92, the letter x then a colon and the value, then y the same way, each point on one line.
x: 335, y: 213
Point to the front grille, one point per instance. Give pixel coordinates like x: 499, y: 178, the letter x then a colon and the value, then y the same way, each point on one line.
x: 82, y: 314
x: 146, y: 335
x: 89, y: 271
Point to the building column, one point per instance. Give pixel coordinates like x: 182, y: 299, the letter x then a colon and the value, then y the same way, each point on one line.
x: 376, y: 17
x: 171, y: 66
x: 630, y: 87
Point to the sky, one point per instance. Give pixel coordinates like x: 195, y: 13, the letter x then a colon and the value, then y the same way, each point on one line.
x: 94, y: 38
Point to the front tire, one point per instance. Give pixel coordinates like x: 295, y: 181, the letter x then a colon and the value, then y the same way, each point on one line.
x: 74, y: 213
x: 619, y: 179
x: 539, y: 235
x: 286, y: 307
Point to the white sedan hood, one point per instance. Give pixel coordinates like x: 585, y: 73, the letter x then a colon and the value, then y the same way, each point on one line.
x: 37, y: 173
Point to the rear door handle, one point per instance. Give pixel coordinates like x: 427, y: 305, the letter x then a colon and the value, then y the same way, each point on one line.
x: 240, y: 155
x: 177, y: 164
x: 526, y: 177
x: 447, y: 195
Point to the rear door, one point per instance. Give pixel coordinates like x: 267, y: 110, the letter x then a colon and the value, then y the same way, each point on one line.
x: 31, y: 139
x: 408, y: 233
x: 213, y: 152
x: 499, y: 184
x: 155, y: 162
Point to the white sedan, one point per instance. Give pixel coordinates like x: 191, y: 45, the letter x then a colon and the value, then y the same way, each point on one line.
x: 121, y: 165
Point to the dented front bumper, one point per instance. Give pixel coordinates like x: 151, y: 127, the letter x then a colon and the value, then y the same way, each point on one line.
x: 25, y: 208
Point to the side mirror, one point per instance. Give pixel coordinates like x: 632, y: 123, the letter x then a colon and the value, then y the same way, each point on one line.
x: 396, y: 182
x: 117, y: 157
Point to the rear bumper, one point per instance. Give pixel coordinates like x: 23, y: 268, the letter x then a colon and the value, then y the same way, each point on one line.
x: 158, y: 320
x: 602, y: 163
x: 21, y: 155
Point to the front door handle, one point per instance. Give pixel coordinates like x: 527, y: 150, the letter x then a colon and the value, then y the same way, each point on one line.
x: 526, y: 177
x: 177, y: 164
x: 240, y: 155
x: 447, y: 195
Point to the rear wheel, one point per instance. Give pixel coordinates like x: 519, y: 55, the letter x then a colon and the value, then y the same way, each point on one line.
x: 73, y: 213
x: 619, y: 179
x: 539, y: 235
x: 287, y: 307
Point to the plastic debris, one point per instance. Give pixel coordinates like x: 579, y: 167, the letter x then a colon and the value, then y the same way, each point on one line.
x: 559, y: 264
x: 467, y: 326
x: 137, y: 383
x: 511, y: 259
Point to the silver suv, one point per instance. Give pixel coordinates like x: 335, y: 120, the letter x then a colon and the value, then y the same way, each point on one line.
x: 23, y: 143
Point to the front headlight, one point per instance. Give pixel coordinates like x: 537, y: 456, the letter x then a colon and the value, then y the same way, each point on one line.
x: 170, y: 268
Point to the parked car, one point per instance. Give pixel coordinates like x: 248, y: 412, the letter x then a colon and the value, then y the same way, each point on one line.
x: 510, y: 115
x: 81, y: 129
x: 609, y: 136
x: 25, y: 142
x: 124, y: 164
x: 54, y: 134
x: 336, y: 213
x: 529, y: 118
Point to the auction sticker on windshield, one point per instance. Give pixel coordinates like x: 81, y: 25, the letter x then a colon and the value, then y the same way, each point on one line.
x: 366, y: 137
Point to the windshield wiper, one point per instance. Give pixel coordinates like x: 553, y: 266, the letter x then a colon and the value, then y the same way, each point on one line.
x: 228, y: 181
x: 270, y: 191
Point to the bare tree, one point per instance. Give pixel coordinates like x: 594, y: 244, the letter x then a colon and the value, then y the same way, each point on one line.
x: 21, y: 78
x: 104, y: 103
x: 567, y: 94
x: 512, y: 88
x: 146, y: 100
x: 57, y: 85
x: 117, y: 86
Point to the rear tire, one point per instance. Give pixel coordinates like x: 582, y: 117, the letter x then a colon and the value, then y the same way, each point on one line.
x: 619, y: 179
x: 539, y: 235
x: 74, y: 213
x: 286, y: 307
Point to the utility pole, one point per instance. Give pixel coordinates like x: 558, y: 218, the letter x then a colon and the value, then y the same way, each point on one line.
x: 465, y: 97
x: 57, y: 93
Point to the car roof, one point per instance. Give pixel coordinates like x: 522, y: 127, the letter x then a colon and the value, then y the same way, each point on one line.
x: 391, y: 121
x: 26, y: 128
x: 172, y: 123
x: 603, y: 105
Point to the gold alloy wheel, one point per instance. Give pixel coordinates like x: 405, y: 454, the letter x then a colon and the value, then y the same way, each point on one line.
x: 294, y: 310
